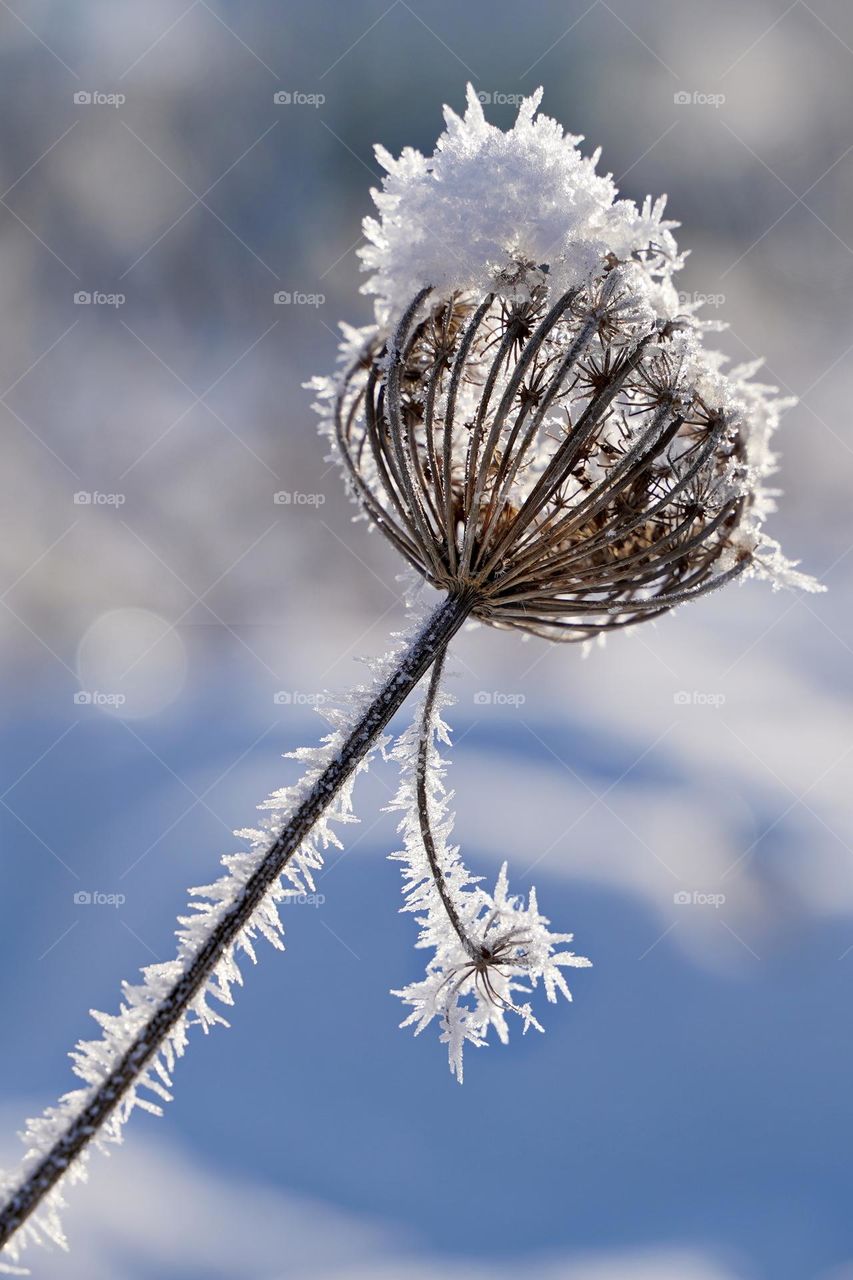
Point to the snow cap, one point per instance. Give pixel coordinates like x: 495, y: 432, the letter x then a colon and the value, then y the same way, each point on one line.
x: 487, y: 201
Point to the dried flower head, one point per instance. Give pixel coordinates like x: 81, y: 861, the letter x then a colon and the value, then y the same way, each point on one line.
x: 534, y: 418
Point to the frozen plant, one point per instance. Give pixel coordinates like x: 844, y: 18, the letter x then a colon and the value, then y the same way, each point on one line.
x: 539, y: 427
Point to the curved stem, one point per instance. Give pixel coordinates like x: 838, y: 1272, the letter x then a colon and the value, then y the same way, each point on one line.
x: 427, y: 646
x: 424, y: 743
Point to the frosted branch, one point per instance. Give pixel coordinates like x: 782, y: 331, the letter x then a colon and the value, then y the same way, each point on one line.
x: 132, y: 1063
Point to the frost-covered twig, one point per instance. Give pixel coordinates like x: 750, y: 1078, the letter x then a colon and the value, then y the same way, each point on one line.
x: 483, y: 943
x: 428, y: 790
x: 139, y: 1045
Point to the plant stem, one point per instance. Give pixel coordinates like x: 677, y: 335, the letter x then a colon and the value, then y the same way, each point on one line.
x: 424, y: 743
x: 428, y: 645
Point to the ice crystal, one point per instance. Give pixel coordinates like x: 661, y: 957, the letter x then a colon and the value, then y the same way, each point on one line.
x: 469, y: 217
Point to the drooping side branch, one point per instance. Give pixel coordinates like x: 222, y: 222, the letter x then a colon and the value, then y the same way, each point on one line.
x: 211, y: 968
x: 426, y: 731
x: 485, y: 946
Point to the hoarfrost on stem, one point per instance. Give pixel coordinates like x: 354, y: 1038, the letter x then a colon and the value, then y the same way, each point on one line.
x: 487, y: 947
x: 131, y: 1064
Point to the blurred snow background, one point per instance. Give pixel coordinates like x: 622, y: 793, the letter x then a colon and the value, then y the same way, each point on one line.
x: 680, y: 798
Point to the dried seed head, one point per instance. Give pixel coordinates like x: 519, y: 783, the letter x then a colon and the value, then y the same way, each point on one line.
x: 545, y: 431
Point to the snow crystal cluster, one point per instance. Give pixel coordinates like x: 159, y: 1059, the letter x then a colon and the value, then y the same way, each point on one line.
x: 468, y: 218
